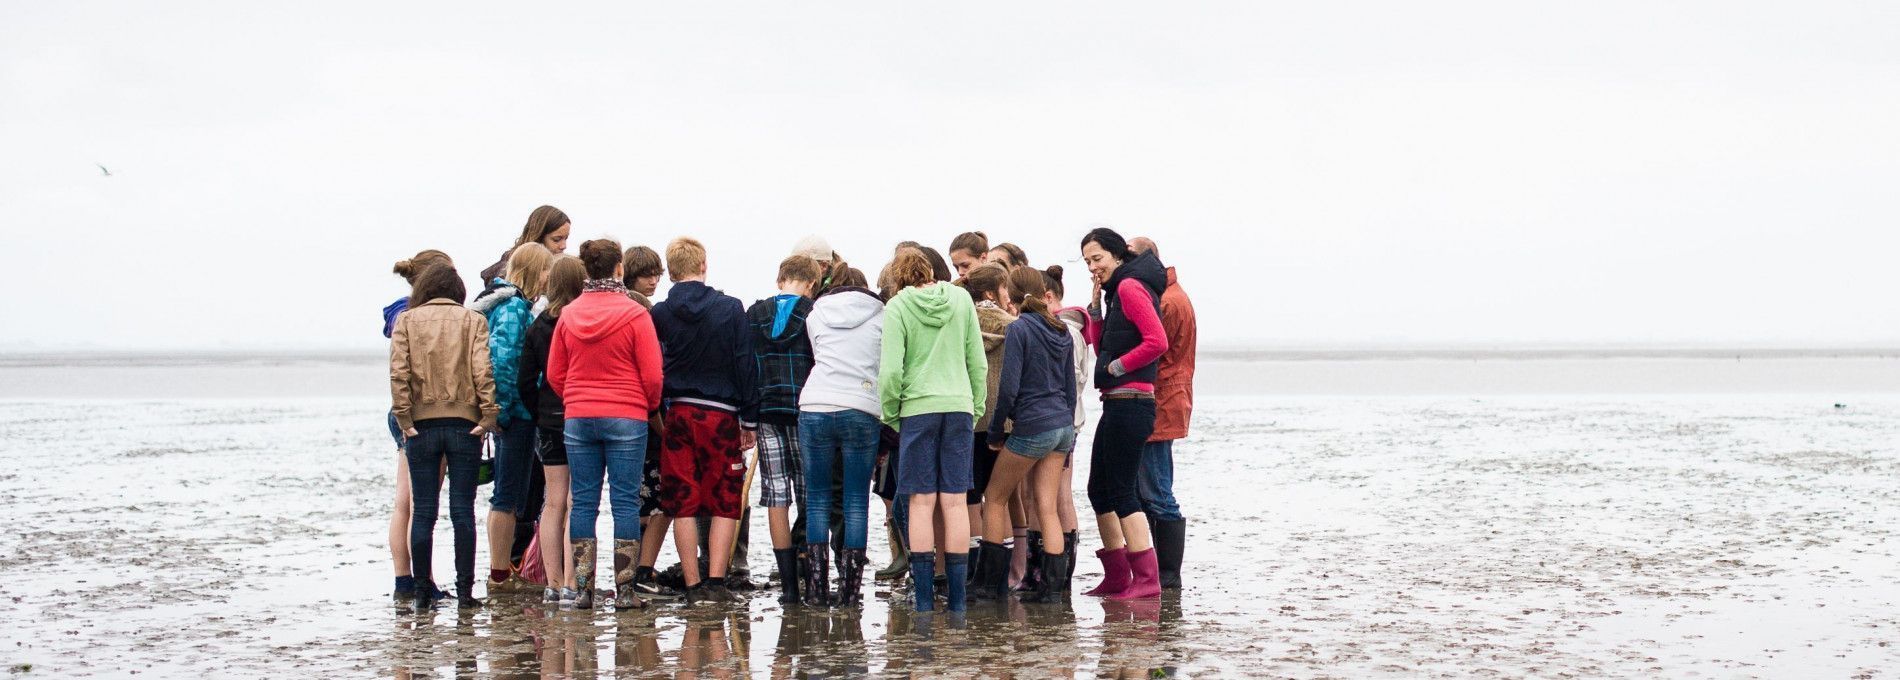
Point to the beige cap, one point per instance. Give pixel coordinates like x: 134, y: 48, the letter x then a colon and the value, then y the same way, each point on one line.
x: 814, y: 247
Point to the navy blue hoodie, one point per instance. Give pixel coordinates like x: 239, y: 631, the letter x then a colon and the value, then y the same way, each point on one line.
x: 708, y: 348
x: 1037, y: 385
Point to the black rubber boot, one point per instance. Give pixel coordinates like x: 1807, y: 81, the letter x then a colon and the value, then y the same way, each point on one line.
x: 818, y: 575
x: 1069, y: 541
x: 992, y: 569
x: 1053, y: 586
x: 1032, y: 568
x: 851, y: 577
x: 425, y: 595
x: 465, y: 596
x: 1170, y: 538
x: 788, y: 575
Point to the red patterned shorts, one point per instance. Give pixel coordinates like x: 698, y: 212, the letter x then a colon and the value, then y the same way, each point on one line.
x: 702, y: 469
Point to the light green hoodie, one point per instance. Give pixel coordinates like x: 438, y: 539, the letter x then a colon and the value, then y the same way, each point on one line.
x: 932, y: 359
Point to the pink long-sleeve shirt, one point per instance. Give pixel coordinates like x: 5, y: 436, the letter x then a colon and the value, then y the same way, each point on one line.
x: 1137, y: 303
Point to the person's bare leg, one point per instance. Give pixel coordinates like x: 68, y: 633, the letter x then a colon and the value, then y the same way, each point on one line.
x: 1134, y: 530
x: 924, y: 522
x: 553, y: 528
x: 1047, y: 479
x: 652, y: 539
x: 399, y: 518
x: 501, y: 539
x: 1065, y: 506
x: 1111, y: 528
x: 956, y: 525
x: 780, y: 522
x: 686, y: 543
x: 720, y: 543
x: 1009, y: 472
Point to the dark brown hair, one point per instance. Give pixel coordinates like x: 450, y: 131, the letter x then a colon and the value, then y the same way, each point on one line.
x: 1026, y: 289
x: 437, y: 281
x: 1110, y: 241
x: 909, y: 268
x: 973, y: 242
x: 565, y: 277
x: 1016, y: 256
x: 408, y: 269
x: 1052, y: 279
x: 599, y: 256
x: 544, y: 219
x: 641, y: 261
x: 986, y: 280
x: 850, y: 277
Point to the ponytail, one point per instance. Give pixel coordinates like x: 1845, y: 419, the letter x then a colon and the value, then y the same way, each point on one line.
x: 1026, y: 289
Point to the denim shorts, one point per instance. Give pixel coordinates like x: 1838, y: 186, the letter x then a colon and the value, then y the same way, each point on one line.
x: 935, y: 456
x: 1035, y: 446
x: 394, y: 431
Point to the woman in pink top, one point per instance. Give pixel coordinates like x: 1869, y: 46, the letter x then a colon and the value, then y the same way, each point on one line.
x: 1129, y: 341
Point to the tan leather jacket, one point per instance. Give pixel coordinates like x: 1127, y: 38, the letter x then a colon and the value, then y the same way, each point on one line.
x: 438, y: 366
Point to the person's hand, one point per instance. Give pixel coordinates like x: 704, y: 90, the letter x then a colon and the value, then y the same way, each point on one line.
x: 478, y: 431
x: 1095, y: 292
x: 748, y: 439
x: 411, y: 432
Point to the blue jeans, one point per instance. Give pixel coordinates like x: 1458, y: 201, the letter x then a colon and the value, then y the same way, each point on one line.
x: 444, y: 439
x: 615, y: 448
x: 514, y: 467
x: 824, y: 438
x: 1157, y: 481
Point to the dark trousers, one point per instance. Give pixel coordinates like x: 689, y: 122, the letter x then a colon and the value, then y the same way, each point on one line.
x: 1115, y: 462
x: 427, y: 451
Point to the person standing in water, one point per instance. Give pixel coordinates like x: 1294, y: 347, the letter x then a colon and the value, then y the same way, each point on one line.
x: 565, y: 279
x: 605, y: 365
x: 931, y: 384
x: 508, y: 305
x: 443, y: 394
x: 838, y: 423
x: 399, y: 514
x: 1174, y: 401
x: 641, y: 271
x: 1129, y: 342
x: 781, y: 352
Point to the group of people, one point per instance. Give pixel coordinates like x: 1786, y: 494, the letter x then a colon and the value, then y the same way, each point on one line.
x: 951, y: 388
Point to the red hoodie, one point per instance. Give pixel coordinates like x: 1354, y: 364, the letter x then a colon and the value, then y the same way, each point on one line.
x: 605, y: 359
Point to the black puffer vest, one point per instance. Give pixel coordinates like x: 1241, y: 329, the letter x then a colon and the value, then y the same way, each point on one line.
x: 1119, y: 335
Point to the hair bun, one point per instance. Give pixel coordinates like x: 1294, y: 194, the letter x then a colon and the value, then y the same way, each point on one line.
x: 405, y: 268
x: 1054, y: 270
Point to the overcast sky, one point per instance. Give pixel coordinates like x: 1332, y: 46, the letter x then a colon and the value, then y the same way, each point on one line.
x: 1320, y: 173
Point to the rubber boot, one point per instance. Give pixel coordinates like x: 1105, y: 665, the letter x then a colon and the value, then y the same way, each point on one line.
x: 1032, y: 569
x: 851, y: 577
x: 425, y: 595
x: 922, y: 567
x: 900, y: 558
x: 626, y: 564
x: 1170, y: 538
x: 1070, y: 539
x: 818, y: 575
x: 992, y: 568
x: 584, y: 573
x: 465, y: 596
x: 956, y: 567
x: 1050, y: 566
x: 787, y: 574
x: 1145, y: 577
x: 1115, y: 573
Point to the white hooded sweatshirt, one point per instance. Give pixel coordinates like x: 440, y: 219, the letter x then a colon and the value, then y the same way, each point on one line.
x: 847, y: 333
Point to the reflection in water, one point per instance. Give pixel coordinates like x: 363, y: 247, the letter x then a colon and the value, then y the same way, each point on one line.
x: 524, y: 640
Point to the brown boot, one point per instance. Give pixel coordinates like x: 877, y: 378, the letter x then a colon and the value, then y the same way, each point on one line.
x: 584, y: 573
x: 626, y: 560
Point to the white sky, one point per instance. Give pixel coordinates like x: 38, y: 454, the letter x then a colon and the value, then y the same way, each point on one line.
x: 1319, y: 172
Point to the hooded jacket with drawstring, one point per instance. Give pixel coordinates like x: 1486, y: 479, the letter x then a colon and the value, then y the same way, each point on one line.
x: 1036, y: 387
x: 931, y: 359
x: 604, y: 361
x: 508, y: 318
x: 708, y: 349
x: 781, y: 353
x: 846, y: 327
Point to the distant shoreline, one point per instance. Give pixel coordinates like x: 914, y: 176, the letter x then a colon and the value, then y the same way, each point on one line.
x: 105, y: 358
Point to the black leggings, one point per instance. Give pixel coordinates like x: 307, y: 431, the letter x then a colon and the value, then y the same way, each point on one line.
x: 1115, y: 463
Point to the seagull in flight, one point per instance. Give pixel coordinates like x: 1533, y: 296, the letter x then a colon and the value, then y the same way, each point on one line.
x: 103, y: 170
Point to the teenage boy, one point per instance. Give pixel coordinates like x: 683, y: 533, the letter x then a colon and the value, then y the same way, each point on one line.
x: 782, y: 354
x: 640, y: 272
x: 710, y: 404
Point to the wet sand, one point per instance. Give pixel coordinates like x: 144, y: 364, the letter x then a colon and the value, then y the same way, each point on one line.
x: 1724, y: 535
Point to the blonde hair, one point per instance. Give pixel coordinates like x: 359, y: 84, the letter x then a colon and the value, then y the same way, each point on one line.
x: 685, y: 256
x: 528, y: 269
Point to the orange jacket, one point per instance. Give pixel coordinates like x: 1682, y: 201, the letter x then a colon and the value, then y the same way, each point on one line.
x: 1174, y: 391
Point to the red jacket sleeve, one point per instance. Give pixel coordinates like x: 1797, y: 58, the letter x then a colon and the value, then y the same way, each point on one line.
x: 557, y: 361
x: 647, y: 359
x: 1139, y: 306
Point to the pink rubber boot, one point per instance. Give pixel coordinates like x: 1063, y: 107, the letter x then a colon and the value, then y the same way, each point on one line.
x: 1115, y: 574
x: 1145, y: 571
